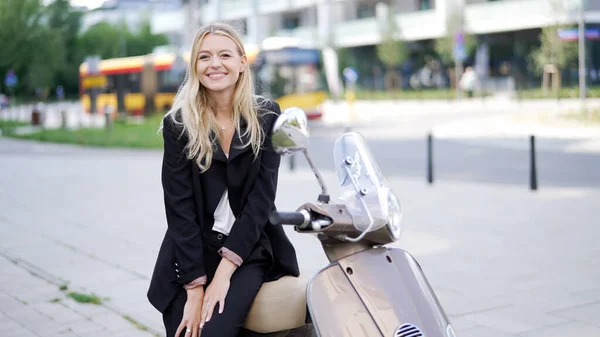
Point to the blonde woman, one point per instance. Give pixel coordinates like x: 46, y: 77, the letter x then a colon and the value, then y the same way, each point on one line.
x: 219, y: 178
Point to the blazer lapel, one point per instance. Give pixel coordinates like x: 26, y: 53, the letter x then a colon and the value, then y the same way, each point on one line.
x: 218, y: 153
x: 238, y: 141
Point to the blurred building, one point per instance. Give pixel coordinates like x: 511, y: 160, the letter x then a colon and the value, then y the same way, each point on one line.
x: 505, y: 29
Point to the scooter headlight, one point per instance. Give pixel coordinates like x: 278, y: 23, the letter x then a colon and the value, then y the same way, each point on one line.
x: 394, y: 213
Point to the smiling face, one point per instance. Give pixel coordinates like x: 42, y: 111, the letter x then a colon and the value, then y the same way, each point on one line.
x: 219, y: 63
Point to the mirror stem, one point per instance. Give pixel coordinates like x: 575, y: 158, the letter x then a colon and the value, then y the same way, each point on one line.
x: 324, y: 196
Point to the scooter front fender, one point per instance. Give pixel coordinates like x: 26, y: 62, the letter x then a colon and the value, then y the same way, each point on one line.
x: 377, y: 292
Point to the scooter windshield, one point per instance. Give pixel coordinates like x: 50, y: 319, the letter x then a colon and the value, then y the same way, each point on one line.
x: 364, y: 191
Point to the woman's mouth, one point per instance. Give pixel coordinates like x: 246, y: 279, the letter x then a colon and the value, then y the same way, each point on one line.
x: 216, y: 76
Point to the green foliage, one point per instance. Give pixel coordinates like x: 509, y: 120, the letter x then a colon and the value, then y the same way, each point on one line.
x: 391, y: 51
x: 123, y: 134
x: 552, y: 50
x: 85, y: 298
x: 45, y: 45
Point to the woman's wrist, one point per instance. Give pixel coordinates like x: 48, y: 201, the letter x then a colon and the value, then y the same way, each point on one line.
x: 195, y: 292
x: 225, y: 269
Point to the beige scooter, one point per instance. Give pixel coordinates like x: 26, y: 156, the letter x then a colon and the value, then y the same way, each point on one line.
x: 367, y: 289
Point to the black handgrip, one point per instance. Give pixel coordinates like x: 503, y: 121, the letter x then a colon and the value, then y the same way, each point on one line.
x: 287, y: 218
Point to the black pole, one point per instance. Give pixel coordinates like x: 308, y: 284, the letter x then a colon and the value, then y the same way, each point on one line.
x: 533, y: 184
x: 292, y: 162
x: 430, y: 158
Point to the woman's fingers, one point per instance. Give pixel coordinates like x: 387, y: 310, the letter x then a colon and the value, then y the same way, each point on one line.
x: 180, y: 329
x: 196, y: 331
x: 221, y: 306
x: 205, y: 311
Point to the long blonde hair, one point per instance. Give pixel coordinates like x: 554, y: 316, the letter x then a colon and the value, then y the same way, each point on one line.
x: 197, y: 108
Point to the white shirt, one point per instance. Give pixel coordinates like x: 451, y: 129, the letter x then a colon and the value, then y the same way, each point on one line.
x: 223, y: 215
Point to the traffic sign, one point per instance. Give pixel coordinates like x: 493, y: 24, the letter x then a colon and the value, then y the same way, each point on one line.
x: 458, y: 50
x: 350, y: 74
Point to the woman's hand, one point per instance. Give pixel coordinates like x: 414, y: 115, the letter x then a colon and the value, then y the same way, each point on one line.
x: 192, y: 313
x: 217, y: 290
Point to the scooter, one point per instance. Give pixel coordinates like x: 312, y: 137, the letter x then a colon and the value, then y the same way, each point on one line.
x: 367, y: 289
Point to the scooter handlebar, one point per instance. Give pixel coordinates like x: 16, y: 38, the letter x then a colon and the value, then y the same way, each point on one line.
x: 288, y: 218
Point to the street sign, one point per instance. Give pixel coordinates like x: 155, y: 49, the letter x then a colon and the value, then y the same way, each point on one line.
x: 458, y: 50
x: 93, y: 64
x: 11, y: 79
x: 350, y: 75
x: 572, y: 34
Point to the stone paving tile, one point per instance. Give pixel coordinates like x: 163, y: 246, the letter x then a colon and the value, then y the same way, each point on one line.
x: 514, y: 320
x: 585, y: 313
x: 575, y: 329
x: 9, y: 303
x: 484, y: 332
x: 29, y: 317
x: 86, y: 309
x: 64, y: 334
x: 113, y: 322
x: 84, y: 327
x: 58, y: 312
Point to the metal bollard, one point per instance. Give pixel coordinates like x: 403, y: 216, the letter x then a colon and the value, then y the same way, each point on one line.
x: 292, y: 162
x: 533, y: 183
x: 430, y: 158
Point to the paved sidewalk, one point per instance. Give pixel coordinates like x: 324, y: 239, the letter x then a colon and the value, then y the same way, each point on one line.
x: 32, y: 306
x: 488, y: 118
x: 504, y: 261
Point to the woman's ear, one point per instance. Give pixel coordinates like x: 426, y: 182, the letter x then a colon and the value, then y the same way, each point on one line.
x: 244, y: 63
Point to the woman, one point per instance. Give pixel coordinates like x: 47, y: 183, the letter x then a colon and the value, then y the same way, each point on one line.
x: 219, y: 178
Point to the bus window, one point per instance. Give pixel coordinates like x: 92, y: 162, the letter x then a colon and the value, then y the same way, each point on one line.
x: 169, y: 81
x: 133, y: 83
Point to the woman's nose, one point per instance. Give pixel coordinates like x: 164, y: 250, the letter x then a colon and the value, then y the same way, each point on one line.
x: 215, y: 62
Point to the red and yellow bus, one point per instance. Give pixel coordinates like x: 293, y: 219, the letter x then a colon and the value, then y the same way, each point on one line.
x: 149, y: 83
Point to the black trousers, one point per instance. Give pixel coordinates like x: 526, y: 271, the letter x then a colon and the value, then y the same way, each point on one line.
x: 245, y: 284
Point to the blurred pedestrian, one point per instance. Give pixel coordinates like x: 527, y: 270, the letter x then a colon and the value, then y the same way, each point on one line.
x: 3, y: 101
x: 468, y: 81
x: 60, y: 92
x: 219, y: 177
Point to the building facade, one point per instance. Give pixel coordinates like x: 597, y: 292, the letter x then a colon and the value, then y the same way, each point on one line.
x: 502, y: 27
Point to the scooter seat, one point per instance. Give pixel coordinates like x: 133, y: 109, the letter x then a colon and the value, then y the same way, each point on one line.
x: 279, y: 305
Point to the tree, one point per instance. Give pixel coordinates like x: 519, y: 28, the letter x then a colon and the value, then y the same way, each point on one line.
x: 28, y: 46
x: 552, y: 50
x: 109, y: 40
x: 391, y: 51
x: 67, y: 22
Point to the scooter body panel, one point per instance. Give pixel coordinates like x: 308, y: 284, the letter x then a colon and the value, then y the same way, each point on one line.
x: 381, y: 287
x: 336, y: 309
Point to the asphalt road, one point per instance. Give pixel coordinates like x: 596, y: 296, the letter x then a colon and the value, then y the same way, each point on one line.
x: 505, y: 161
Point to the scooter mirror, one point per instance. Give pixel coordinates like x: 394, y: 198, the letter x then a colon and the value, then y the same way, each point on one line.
x: 290, y: 133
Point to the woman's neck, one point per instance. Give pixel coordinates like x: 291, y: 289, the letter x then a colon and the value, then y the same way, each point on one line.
x: 223, y: 104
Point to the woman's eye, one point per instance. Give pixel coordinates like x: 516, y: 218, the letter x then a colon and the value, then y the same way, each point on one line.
x: 225, y: 55
x: 202, y: 57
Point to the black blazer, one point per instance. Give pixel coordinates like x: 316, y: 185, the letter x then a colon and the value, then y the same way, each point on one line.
x: 191, y: 198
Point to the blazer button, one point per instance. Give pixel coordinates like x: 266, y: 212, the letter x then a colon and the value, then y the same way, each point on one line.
x: 176, y: 265
x: 220, y: 236
x: 177, y: 275
x: 177, y: 270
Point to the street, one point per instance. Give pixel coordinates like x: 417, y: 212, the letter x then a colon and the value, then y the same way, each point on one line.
x: 503, y: 261
x: 505, y: 161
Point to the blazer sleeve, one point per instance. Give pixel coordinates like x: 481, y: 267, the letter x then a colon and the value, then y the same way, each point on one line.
x: 180, y: 205
x: 246, y: 229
